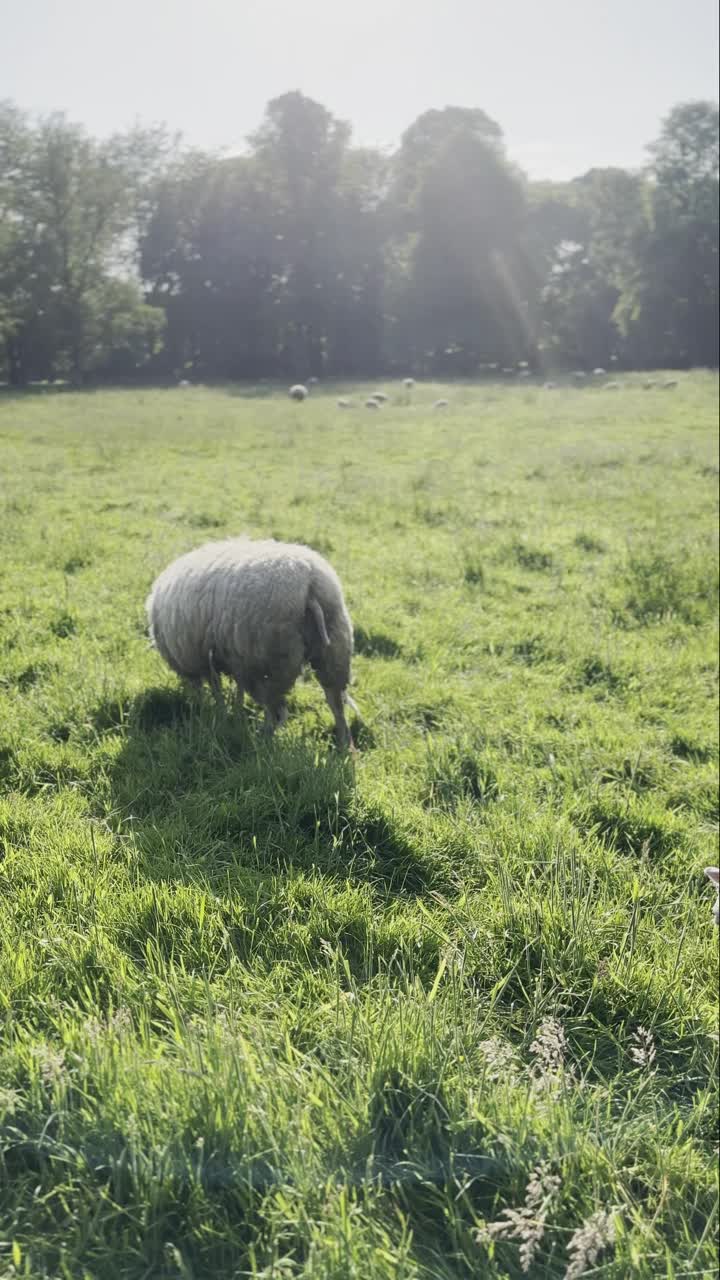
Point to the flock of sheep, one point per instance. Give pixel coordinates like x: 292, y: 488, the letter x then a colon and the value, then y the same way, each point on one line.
x: 300, y: 391
x: 258, y: 611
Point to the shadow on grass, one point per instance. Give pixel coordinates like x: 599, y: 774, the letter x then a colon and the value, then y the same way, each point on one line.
x: 209, y: 798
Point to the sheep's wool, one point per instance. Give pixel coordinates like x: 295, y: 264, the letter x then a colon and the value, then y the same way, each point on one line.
x: 255, y: 611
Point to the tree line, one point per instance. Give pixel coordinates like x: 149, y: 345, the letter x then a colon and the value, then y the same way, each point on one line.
x: 134, y: 258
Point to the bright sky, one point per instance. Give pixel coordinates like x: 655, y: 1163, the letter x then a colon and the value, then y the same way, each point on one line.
x: 573, y: 83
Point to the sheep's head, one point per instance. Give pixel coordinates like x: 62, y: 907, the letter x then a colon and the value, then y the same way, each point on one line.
x: 713, y: 874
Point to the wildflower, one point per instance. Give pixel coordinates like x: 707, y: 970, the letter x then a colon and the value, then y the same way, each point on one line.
x: 499, y: 1057
x: 588, y: 1242
x: 528, y: 1223
x: 643, y: 1051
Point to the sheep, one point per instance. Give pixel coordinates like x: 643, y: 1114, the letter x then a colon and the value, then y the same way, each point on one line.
x: 440, y: 404
x: 670, y: 385
x: 183, y: 383
x: 298, y: 392
x: 509, y: 373
x: 599, y: 372
x: 579, y: 375
x: 612, y: 386
x: 256, y: 611
x: 344, y: 403
x: 713, y: 874
x: 408, y: 383
x: 647, y: 386
x: 549, y: 386
x: 372, y: 403
x: 380, y: 396
x: 525, y: 373
x: 312, y: 382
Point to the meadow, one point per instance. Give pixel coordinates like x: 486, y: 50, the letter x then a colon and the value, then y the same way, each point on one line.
x: 448, y: 1009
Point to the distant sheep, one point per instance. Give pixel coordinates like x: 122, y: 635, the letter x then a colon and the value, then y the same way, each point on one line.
x: 380, y: 396
x: 599, y: 372
x: 408, y: 383
x: 612, y: 386
x: 440, y: 404
x: 647, y: 386
x: 372, y: 403
x: 312, y: 382
x: 298, y: 392
x: 255, y: 611
x: 579, y: 375
x: 184, y: 383
x: 670, y: 385
x: 344, y: 403
x: 713, y: 874
x: 549, y: 386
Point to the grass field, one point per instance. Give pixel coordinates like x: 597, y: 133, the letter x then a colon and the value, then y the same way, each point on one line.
x: 449, y: 1010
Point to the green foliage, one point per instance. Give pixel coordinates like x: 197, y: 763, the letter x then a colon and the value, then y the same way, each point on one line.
x: 444, y: 1010
x: 132, y: 259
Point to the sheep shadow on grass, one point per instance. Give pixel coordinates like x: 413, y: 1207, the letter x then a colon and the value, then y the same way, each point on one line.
x: 208, y: 797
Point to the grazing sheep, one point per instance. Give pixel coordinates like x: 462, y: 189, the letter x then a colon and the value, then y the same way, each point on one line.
x: 713, y: 874
x: 599, y: 372
x: 523, y: 364
x: 579, y: 375
x: 344, y: 403
x: 647, y: 386
x: 408, y: 383
x: 372, y: 403
x: 440, y: 404
x: 509, y: 373
x: 380, y: 396
x: 183, y: 382
x: 612, y: 386
x: 670, y: 385
x: 256, y: 611
x: 549, y: 386
x: 525, y: 373
x: 298, y: 392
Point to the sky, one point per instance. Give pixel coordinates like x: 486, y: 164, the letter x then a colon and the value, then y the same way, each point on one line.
x: 573, y: 83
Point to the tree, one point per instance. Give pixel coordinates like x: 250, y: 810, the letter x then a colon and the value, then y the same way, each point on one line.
x: 668, y: 309
x: 460, y: 217
x: 69, y: 209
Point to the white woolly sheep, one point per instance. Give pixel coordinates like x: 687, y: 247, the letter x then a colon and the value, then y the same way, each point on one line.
x: 372, y: 403
x: 298, y: 392
x: 408, y: 383
x: 713, y: 874
x: 183, y: 382
x: 670, y: 385
x: 612, y: 386
x: 255, y: 611
x: 440, y: 404
x: 380, y: 396
x: 599, y: 372
x: 344, y: 403
x: 647, y: 386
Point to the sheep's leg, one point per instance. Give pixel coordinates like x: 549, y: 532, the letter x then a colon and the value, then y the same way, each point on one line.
x: 215, y: 683
x: 336, y: 703
x: 275, y: 717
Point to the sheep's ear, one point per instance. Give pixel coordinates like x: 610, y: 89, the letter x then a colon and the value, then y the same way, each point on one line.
x: 713, y: 873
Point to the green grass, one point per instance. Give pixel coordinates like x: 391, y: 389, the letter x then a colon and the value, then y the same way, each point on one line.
x: 268, y: 1012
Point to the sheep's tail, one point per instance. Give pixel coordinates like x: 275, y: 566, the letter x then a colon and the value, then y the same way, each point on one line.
x: 317, y: 613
